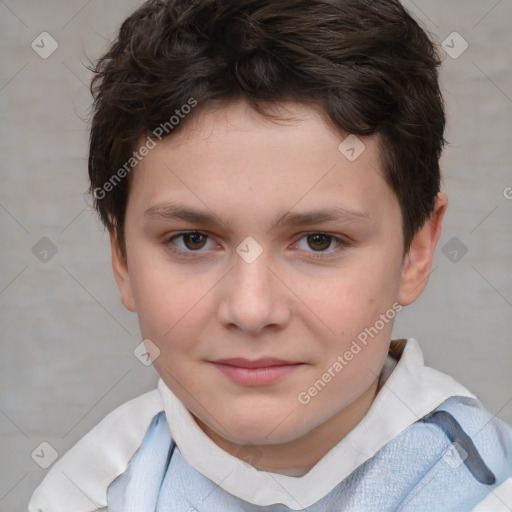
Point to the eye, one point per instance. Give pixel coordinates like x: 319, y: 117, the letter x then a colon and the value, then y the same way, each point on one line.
x: 316, y: 244
x: 320, y: 242
x: 192, y: 241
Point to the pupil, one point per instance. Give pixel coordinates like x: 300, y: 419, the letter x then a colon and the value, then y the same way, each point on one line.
x: 195, y: 238
x: 317, y: 239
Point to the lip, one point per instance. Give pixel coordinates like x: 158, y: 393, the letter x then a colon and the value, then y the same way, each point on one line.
x: 263, y: 362
x: 259, y: 372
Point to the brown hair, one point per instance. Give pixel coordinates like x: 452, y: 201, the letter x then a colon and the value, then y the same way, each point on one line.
x: 367, y: 64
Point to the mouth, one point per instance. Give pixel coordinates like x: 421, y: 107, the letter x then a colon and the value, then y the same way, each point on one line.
x: 263, y: 362
x: 258, y: 372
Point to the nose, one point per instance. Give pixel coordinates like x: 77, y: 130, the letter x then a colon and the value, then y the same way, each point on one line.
x: 253, y: 298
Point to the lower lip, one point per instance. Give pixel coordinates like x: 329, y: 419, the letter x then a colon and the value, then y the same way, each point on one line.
x: 256, y: 376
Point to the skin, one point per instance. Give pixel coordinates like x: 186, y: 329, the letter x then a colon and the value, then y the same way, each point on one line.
x: 304, y: 299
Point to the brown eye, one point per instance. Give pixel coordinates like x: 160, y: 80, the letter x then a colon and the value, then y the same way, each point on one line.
x: 191, y: 244
x: 194, y: 241
x: 319, y: 241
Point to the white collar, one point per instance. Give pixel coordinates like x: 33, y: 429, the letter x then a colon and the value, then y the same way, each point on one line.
x: 412, y: 391
x: 79, y: 481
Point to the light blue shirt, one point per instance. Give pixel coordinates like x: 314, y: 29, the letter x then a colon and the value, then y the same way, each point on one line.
x: 448, y: 461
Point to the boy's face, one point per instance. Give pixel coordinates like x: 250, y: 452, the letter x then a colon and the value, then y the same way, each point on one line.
x: 304, y: 300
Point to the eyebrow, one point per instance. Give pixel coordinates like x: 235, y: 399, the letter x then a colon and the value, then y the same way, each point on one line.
x: 177, y: 211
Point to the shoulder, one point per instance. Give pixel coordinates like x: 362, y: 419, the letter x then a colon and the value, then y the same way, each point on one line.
x: 79, y: 480
x: 499, y: 500
x: 493, y: 438
x: 479, y: 427
x: 480, y: 446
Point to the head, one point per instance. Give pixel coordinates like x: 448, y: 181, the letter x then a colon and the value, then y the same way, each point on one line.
x: 258, y: 113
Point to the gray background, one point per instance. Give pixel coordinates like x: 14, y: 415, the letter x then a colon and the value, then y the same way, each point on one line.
x: 67, y: 343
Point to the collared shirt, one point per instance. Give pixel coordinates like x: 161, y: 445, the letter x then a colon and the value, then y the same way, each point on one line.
x: 150, y: 454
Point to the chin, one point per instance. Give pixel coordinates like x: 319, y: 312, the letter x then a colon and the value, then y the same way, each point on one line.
x: 264, y: 429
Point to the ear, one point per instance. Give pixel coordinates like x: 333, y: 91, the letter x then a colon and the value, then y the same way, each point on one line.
x: 121, y: 274
x: 418, y: 261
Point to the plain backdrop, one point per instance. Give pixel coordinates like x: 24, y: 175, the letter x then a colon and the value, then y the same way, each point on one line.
x: 67, y: 343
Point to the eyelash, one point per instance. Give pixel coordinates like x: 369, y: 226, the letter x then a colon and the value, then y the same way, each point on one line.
x: 342, y: 244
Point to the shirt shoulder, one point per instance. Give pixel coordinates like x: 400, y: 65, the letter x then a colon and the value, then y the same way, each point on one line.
x: 478, y: 458
x: 78, y: 482
x: 499, y: 500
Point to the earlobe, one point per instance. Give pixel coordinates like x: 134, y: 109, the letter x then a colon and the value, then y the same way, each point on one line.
x: 121, y: 274
x: 418, y: 261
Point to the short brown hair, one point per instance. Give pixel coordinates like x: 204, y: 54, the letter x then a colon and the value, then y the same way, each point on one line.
x: 367, y: 63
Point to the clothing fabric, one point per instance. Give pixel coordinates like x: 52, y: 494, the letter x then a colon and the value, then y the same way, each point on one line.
x: 426, y: 443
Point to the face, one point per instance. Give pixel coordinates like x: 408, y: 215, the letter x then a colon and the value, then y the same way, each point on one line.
x: 257, y: 241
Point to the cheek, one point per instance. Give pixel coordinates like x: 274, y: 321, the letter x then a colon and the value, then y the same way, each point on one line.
x: 168, y: 301
x: 355, y: 298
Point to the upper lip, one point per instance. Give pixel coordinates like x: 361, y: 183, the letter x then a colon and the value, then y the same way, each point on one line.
x: 255, y: 363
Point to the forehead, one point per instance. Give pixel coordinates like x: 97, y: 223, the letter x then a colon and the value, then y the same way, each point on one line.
x: 288, y: 124
x: 232, y: 156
